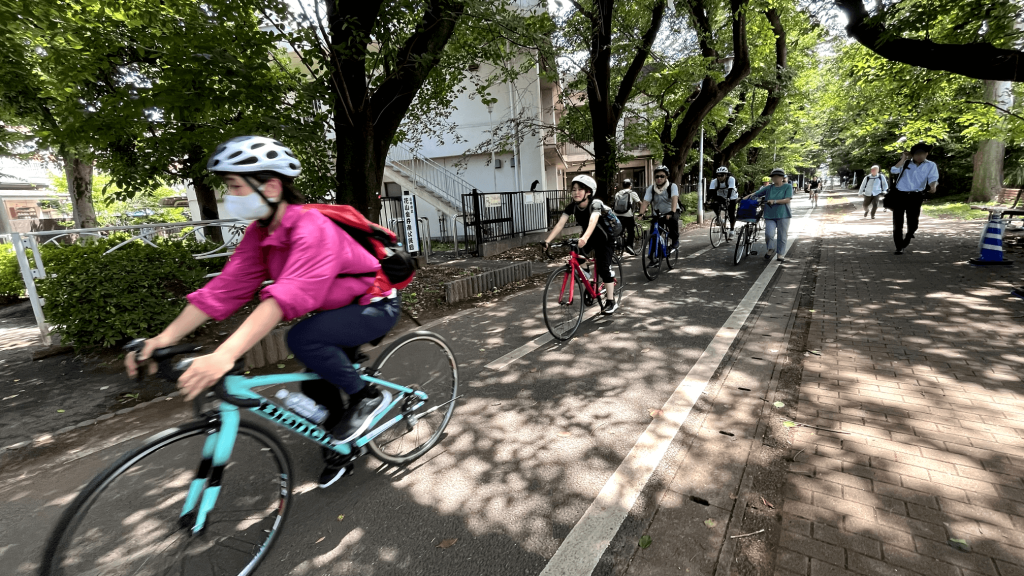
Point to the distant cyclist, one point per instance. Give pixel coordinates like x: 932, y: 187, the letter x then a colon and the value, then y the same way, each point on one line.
x: 813, y: 187
x: 725, y: 198
x: 664, y: 196
x: 625, y: 201
x: 588, y: 211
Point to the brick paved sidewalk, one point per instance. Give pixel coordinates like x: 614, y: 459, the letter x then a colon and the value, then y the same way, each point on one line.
x: 921, y: 365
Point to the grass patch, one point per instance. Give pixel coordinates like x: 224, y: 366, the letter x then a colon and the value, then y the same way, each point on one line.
x: 954, y: 207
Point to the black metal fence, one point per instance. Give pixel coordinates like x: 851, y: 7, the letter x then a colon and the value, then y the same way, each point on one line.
x: 494, y: 216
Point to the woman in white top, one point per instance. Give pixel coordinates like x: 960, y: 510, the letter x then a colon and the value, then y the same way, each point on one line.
x: 873, y: 186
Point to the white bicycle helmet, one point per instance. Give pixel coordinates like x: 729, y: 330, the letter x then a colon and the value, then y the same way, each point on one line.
x: 250, y: 154
x: 722, y: 170
x: 587, y: 181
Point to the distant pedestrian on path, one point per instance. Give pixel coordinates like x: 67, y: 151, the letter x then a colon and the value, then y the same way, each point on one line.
x: 873, y: 186
x: 778, y: 195
x: 917, y: 175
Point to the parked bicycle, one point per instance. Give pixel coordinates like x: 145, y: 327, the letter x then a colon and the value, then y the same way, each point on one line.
x: 571, y: 289
x: 747, y: 235
x: 655, y: 243
x: 211, y: 496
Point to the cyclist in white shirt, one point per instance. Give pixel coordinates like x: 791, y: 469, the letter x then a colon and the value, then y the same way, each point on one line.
x: 665, y: 197
x: 725, y: 197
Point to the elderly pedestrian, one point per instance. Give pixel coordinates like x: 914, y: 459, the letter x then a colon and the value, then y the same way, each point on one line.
x: 871, y: 188
x: 917, y: 175
x: 777, y: 196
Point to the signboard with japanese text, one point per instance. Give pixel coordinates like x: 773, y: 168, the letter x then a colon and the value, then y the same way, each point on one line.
x: 411, y: 240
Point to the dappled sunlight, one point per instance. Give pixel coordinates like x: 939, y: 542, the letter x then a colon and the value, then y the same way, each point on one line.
x: 916, y: 398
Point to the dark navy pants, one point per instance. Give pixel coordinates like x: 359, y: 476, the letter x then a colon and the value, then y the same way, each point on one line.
x: 322, y: 341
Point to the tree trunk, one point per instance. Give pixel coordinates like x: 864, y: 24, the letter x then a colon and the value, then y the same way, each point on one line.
x: 79, y: 175
x: 207, y: 199
x: 987, y: 183
x: 712, y: 91
x: 358, y: 167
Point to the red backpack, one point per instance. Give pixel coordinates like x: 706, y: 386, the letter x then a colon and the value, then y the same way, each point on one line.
x: 397, y: 267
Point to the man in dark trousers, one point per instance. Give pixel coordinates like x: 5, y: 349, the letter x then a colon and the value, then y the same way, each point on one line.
x: 921, y: 176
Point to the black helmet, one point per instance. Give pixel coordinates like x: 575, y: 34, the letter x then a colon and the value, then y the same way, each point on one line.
x: 778, y: 172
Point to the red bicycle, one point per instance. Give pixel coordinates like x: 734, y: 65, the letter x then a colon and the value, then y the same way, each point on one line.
x: 571, y: 289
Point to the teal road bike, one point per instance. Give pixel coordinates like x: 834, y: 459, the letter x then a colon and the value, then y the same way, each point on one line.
x: 210, y: 497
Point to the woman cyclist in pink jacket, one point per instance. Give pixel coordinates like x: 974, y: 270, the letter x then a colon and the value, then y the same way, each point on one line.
x: 315, y: 267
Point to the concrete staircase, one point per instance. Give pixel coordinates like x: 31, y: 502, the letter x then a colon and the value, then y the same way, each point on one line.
x: 429, y: 180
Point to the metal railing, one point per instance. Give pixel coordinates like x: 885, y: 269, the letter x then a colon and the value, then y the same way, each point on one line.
x: 494, y: 216
x: 29, y: 242
x: 428, y: 174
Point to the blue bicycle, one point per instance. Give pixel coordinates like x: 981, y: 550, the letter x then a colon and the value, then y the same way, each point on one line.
x: 211, y: 496
x: 656, y: 248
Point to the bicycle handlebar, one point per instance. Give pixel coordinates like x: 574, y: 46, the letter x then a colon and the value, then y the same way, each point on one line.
x: 173, y: 370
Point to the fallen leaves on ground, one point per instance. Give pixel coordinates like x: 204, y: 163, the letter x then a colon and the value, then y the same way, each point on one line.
x: 447, y: 543
x: 656, y: 412
x: 710, y: 523
x: 645, y: 541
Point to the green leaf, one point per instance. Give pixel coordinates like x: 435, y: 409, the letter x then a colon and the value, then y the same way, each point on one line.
x: 645, y: 541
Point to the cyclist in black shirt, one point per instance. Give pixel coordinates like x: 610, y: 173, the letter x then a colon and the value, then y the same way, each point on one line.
x: 587, y: 211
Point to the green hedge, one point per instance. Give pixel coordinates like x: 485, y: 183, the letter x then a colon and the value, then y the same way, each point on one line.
x: 95, y: 300
x: 11, y: 284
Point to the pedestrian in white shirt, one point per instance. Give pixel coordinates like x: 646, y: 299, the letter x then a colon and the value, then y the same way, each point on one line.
x: 871, y: 188
x: 921, y: 177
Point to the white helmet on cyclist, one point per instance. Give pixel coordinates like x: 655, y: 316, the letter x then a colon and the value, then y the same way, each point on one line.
x: 586, y: 181
x: 251, y: 154
x: 778, y: 172
x: 722, y: 170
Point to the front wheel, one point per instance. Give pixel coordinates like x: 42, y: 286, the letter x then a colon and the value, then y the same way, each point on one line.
x: 425, y: 362
x: 671, y: 256
x: 128, y: 519
x: 562, y: 313
x: 651, y: 261
x: 717, y: 232
x: 741, y: 244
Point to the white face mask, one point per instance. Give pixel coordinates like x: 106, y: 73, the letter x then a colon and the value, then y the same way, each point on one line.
x: 251, y: 207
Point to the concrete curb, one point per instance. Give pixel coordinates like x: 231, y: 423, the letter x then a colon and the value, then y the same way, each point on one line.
x: 51, y: 436
x: 466, y: 288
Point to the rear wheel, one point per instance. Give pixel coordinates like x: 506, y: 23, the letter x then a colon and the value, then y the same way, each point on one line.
x: 563, y: 314
x: 671, y: 256
x: 742, y: 237
x: 717, y: 232
x: 422, y: 361
x: 651, y: 261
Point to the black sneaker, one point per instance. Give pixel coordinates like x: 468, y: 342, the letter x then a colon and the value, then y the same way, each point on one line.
x: 899, y: 251
x: 334, y: 470
x: 630, y: 251
x: 609, y: 308
x: 358, y: 417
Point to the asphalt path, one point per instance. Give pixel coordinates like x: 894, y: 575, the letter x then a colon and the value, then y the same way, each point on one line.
x: 531, y: 445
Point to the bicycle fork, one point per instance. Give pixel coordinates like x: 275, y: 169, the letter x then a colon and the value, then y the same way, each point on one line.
x: 205, y: 487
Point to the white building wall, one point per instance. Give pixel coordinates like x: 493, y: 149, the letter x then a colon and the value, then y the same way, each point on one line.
x: 475, y: 121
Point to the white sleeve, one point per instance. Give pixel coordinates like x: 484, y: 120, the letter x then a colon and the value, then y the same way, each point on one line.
x: 648, y: 194
x: 675, y: 190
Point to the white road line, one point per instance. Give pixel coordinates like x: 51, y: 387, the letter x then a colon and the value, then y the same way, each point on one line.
x: 582, y: 549
x: 507, y: 359
x: 699, y: 252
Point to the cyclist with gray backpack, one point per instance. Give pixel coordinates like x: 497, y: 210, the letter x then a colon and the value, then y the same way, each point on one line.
x: 664, y: 196
x: 625, y: 200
